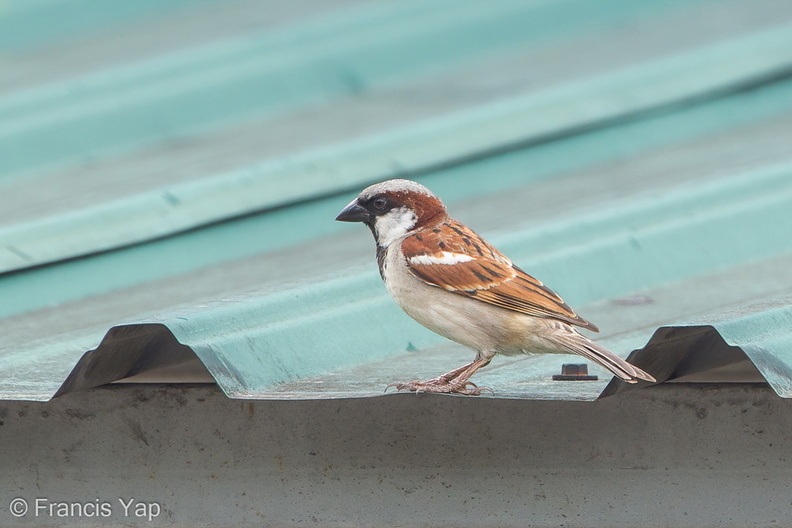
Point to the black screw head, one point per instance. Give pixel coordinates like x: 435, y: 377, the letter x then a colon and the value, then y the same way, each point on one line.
x: 574, y: 372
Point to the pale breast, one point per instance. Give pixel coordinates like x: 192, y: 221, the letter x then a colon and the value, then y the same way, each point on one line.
x: 465, y: 320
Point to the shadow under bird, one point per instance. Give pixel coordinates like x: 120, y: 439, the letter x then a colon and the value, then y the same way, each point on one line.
x: 454, y: 283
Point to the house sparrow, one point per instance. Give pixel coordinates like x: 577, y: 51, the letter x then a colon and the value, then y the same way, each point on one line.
x: 454, y: 283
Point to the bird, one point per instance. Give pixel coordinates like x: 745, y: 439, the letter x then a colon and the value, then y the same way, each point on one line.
x: 453, y: 282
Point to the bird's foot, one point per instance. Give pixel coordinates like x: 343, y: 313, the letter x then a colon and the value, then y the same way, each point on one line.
x: 440, y: 385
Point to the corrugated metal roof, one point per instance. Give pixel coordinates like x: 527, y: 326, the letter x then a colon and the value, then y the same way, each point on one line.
x: 172, y: 197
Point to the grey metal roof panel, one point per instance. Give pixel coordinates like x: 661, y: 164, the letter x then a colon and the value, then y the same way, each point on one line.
x: 647, y: 192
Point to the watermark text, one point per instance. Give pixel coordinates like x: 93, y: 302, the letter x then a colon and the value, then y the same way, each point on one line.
x: 97, y: 508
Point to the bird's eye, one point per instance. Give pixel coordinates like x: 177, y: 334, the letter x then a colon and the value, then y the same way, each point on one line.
x: 379, y: 204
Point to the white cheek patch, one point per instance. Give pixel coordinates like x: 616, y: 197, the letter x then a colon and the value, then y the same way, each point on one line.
x: 394, y: 225
x: 446, y: 257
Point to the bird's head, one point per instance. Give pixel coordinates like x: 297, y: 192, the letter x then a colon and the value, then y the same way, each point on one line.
x: 394, y: 209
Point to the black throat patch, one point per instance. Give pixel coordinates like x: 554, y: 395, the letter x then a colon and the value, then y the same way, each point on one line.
x: 381, y: 253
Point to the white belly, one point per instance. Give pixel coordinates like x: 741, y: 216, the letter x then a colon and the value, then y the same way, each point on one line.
x: 475, y: 324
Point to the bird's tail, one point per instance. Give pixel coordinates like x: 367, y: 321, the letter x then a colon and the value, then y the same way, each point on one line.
x: 579, y: 344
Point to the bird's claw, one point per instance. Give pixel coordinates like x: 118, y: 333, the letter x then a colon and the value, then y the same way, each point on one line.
x: 441, y: 386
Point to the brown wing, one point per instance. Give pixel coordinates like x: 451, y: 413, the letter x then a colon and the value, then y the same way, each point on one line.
x: 454, y: 258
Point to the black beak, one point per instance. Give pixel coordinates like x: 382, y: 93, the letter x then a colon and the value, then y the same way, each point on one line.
x: 353, y: 213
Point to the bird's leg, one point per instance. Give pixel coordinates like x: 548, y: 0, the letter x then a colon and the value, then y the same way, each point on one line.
x: 448, y: 376
x: 454, y: 382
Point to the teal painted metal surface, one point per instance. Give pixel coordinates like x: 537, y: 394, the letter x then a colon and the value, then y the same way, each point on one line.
x: 301, y: 222
x: 413, y: 149
x: 33, y: 23
x: 658, y: 172
x: 418, y: 148
x: 307, y: 63
x: 254, y: 344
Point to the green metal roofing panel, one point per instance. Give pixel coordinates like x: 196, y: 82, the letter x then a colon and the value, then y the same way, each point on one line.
x: 412, y: 149
x: 171, y: 217
x: 418, y: 147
